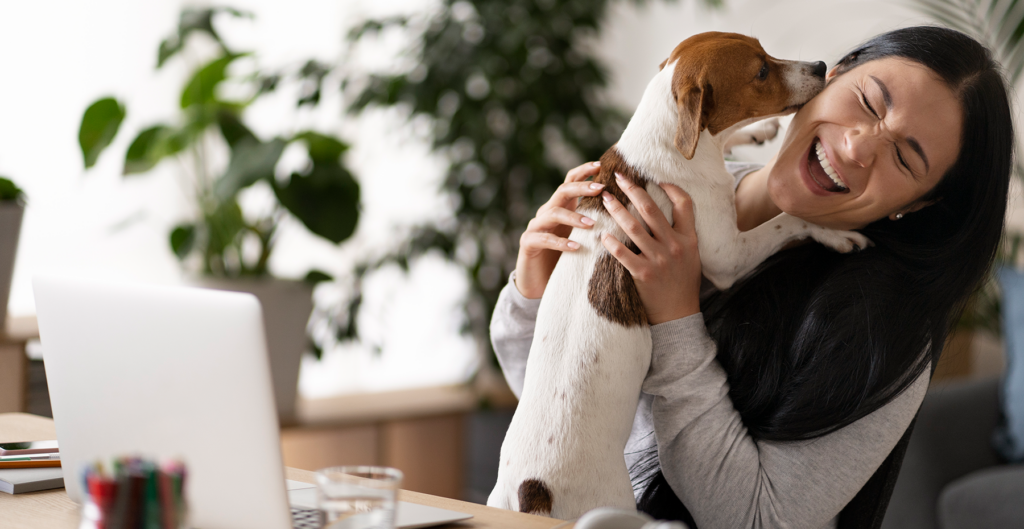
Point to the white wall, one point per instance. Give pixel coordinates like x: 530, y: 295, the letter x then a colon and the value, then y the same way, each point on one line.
x: 59, y: 56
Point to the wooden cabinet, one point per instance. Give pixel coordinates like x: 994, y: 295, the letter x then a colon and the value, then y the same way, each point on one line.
x: 419, y: 432
x: 14, y: 363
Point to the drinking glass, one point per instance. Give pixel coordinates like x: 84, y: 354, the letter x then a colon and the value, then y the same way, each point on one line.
x: 358, y: 497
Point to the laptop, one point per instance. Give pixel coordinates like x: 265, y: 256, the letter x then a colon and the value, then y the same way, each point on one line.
x: 175, y: 372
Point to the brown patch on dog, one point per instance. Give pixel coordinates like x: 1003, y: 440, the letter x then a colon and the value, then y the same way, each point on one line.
x: 613, y: 294
x: 713, y: 97
x: 612, y: 162
x: 611, y: 290
x: 534, y: 497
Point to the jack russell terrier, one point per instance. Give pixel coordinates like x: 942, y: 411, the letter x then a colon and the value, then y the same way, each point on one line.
x: 563, y: 453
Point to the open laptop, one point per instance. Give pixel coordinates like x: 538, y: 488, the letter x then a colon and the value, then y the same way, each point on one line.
x: 175, y: 372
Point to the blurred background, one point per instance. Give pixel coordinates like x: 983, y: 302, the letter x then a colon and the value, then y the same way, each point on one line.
x: 373, y: 163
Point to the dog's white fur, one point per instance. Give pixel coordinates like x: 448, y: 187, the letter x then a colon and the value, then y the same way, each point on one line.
x: 584, y: 373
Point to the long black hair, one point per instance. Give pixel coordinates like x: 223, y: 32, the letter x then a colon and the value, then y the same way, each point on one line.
x: 814, y: 340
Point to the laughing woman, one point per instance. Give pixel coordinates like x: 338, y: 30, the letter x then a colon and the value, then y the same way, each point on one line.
x: 787, y: 400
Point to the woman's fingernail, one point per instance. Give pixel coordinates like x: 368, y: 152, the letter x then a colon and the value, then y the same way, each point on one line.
x: 595, y: 185
x: 606, y: 196
x: 587, y: 220
x: 597, y: 164
x: 619, y: 177
x: 573, y: 244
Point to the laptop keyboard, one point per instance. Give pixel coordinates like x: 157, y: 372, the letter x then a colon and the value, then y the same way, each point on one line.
x: 306, y: 518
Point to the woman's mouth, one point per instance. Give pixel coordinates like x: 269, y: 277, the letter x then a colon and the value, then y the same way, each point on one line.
x: 820, y: 171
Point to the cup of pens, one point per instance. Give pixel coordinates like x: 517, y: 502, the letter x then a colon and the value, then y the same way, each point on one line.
x: 135, y: 493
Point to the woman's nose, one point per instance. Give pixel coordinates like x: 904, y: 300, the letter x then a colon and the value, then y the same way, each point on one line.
x: 860, y: 146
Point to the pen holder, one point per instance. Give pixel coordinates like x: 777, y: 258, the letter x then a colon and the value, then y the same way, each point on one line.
x: 136, y: 494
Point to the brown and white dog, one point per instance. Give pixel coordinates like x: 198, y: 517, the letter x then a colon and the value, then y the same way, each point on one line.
x: 563, y: 453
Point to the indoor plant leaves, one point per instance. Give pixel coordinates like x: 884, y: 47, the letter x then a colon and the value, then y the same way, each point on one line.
x: 99, y: 126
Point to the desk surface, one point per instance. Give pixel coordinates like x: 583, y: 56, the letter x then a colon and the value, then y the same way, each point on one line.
x: 53, y: 510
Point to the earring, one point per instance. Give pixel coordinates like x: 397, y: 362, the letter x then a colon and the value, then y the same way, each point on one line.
x: 899, y: 216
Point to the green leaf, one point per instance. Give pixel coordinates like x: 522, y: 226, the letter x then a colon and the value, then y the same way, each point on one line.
x: 232, y: 128
x: 202, y: 87
x: 224, y: 224
x: 312, y: 76
x: 183, y: 239
x: 250, y: 161
x: 376, y: 26
x: 99, y: 126
x: 321, y: 147
x: 168, y: 48
x: 317, y: 276
x: 194, y: 20
x: 9, y: 190
x: 151, y: 146
x: 326, y: 200
x: 326, y: 197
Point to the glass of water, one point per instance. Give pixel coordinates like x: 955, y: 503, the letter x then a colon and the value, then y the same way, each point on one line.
x: 358, y: 497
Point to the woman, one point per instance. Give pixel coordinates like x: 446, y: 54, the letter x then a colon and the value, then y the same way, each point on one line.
x: 787, y: 400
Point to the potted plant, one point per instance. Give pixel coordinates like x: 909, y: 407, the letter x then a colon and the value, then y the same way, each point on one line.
x: 228, y: 250
x: 12, y: 209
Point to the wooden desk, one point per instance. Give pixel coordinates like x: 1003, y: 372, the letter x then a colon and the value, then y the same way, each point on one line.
x: 53, y: 510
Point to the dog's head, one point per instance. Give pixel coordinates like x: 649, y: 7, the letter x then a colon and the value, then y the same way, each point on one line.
x: 721, y: 79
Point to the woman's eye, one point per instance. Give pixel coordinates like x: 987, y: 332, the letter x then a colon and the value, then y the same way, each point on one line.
x: 903, y: 162
x: 864, y: 98
x: 763, y: 74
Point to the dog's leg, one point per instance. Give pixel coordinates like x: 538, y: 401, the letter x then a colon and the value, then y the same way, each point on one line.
x: 728, y: 254
x: 757, y: 133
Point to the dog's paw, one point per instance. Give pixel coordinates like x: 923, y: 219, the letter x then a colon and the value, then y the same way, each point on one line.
x: 755, y: 134
x: 765, y: 130
x: 841, y: 241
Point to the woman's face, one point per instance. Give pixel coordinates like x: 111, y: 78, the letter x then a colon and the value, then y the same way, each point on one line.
x: 873, y: 142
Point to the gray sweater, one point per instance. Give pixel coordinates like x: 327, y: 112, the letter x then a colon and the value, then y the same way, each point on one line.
x: 726, y: 478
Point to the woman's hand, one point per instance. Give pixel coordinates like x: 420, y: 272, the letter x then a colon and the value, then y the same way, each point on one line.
x: 667, y: 270
x: 545, y: 237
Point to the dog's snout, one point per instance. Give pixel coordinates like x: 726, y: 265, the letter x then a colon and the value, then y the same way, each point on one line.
x: 819, y: 69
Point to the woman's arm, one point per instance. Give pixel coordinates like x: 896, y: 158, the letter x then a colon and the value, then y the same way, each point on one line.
x: 726, y: 478
x: 512, y: 324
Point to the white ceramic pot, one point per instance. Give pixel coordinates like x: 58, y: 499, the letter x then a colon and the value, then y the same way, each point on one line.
x: 286, y: 308
x: 11, y: 213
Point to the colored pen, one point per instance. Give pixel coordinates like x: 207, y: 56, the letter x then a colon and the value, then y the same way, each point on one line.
x: 36, y: 463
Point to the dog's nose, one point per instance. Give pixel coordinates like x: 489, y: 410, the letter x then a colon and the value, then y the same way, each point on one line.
x: 819, y: 69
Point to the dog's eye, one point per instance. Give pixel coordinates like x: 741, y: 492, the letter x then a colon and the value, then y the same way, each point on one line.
x: 763, y: 74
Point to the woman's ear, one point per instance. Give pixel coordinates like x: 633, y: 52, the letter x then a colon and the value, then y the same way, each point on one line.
x: 916, y: 206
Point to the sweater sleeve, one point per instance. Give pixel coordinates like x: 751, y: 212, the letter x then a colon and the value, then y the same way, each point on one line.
x: 726, y: 478
x: 512, y: 325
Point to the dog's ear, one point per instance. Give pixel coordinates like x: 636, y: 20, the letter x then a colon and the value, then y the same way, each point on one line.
x: 662, y: 65
x: 691, y: 100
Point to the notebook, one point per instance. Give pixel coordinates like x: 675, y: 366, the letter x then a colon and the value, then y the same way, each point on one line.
x: 18, y: 480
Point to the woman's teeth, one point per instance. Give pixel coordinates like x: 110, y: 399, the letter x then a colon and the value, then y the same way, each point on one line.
x: 827, y: 166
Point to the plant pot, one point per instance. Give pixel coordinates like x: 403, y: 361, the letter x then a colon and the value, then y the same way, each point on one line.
x: 11, y: 213
x: 286, y: 308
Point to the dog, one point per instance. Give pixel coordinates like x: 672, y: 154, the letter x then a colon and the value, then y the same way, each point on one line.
x: 563, y: 453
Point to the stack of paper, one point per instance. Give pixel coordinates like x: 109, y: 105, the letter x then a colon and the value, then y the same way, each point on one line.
x: 18, y: 480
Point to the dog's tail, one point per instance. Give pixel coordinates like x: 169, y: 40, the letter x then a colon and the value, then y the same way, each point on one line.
x: 534, y: 497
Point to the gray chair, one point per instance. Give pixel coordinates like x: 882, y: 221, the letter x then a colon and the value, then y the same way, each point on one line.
x: 951, y: 477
